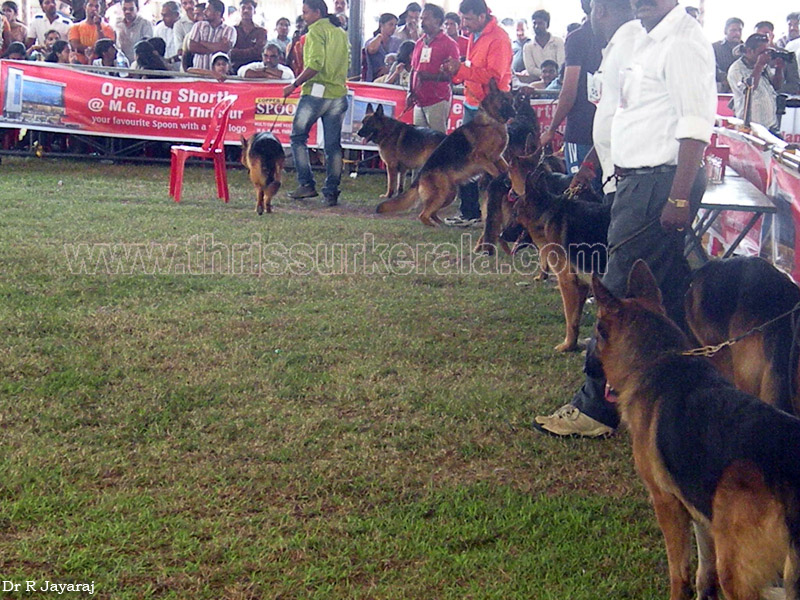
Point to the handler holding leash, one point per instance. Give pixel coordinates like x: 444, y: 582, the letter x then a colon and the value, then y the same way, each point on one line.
x: 326, y: 55
x: 664, y: 120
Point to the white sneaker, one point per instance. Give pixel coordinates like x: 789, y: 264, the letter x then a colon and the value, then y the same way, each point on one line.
x: 459, y: 221
x: 569, y: 421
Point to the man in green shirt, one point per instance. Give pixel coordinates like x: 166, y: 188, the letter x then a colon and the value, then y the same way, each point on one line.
x: 326, y: 55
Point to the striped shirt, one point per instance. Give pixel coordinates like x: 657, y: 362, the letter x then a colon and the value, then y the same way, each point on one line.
x: 668, y: 92
x: 204, y: 32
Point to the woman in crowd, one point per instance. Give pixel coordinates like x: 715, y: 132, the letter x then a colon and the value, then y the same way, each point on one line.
x: 59, y: 53
x: 400, y: 71
x: 379, y: 46
x: 147, y: 59
x: 19, y: 32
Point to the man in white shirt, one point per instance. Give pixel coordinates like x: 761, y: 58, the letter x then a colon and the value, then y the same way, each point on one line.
x: 269, y: 67
x: 752, y: 69
x: 170, y: 13
x: 185, y: 23
x: 131, y: 28
x: 542, y: 47
x: 663, y: 121
x: 43, y: 23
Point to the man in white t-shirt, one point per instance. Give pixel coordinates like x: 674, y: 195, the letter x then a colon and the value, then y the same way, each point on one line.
x: 43, y: 23
x: 269, y: 67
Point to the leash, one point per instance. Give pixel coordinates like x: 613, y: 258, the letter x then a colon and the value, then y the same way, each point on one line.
x: 275, y: 122
x: 709, y: 351
x: 635, y: 234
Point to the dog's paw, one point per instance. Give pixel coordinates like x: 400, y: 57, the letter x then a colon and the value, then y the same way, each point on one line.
x: 260, y: 209
x: 384, y: 196
x: 567, y: 346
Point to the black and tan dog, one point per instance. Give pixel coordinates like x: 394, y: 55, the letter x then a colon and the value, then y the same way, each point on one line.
x: 523, y: 140
x: 572, y: 237
x: 707, y: 452
x: 728, y: 298
x: 263, y: 156
x: 470, y: 150
x: 402, y: 147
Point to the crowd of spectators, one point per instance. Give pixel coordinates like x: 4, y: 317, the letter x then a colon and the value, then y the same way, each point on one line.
x: 759, y: 70
x: 193, y: 36
x: 190, y: 36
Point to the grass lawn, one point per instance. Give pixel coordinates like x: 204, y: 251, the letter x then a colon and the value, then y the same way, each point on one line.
x: 335, y: 419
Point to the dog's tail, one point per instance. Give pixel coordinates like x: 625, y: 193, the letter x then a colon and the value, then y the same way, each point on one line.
x: 402, y: 202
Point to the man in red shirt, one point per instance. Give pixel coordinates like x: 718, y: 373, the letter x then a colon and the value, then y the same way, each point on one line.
x: 489, y: 57
x: 430, y: 85
x: 452, y: 27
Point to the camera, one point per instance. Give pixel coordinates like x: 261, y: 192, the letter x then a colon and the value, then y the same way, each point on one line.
x: 782, y: 54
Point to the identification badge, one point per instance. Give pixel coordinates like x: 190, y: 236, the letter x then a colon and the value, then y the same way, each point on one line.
x: 425, y: 56
x: 317, y: 90
x: 468, y: 63
x: 594, y: 87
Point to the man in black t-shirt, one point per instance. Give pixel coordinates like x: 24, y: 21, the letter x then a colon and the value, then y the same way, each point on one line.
x: 583, y: 52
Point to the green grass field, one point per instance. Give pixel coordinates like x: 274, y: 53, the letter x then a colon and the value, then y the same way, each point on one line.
x: 337, y: 420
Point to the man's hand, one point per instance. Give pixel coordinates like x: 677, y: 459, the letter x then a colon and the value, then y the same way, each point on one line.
x: 411, y: 100
x: 287, y: 90
x: 450, y: 66
x: 583, y: 178
x: 675, y: 215
x: 547, y: 137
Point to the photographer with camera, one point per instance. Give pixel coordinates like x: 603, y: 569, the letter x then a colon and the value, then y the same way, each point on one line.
x: 759, y: 69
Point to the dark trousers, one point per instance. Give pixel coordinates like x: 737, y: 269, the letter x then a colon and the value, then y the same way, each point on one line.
x: 469, y: 192
x: 638, y: 201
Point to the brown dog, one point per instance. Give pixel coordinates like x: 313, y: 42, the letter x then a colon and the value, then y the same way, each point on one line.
x: 263, y: 156
x: 708, y: 453
x: 523, y: 139
x: 728, y: 298
x: 572, y: 237
x: 470, y: 150
x: 402, y: 147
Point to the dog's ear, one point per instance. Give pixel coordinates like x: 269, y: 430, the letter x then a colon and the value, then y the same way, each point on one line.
x: 370, y: 110
x: 605, y: 299
x: 642, y: 285
x: 379, y: 112
x: 244, y: 142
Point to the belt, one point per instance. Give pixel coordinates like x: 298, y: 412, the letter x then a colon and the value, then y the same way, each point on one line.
x: 620, y: 172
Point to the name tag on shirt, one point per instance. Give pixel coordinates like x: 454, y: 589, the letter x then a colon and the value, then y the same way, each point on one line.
x: 594, y: 87
x: 425, y: 55
x: 317, y: 90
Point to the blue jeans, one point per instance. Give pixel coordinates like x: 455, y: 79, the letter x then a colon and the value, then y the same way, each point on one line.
x: 331, y: 111
x: 469, y: 192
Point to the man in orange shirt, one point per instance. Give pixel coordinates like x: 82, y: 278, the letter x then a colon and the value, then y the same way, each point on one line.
x: 488, y: 57
x: 83, y: 35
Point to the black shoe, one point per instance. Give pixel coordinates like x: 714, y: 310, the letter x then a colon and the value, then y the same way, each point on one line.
x: 304, y: 191
x: 332, y: 199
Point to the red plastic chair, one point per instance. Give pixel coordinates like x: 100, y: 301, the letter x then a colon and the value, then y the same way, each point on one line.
x: 212, y: 148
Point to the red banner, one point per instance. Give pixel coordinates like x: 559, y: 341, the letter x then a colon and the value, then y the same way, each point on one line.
x: 55, y: 98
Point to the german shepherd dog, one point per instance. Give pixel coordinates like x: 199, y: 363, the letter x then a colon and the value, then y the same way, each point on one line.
x: 707, y: 452
x: 470, y: 150
x: 263, y: 156
x: 402, y: 147
x: 572, y: 237
x: 523, y: 139
x: 728, y: 298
